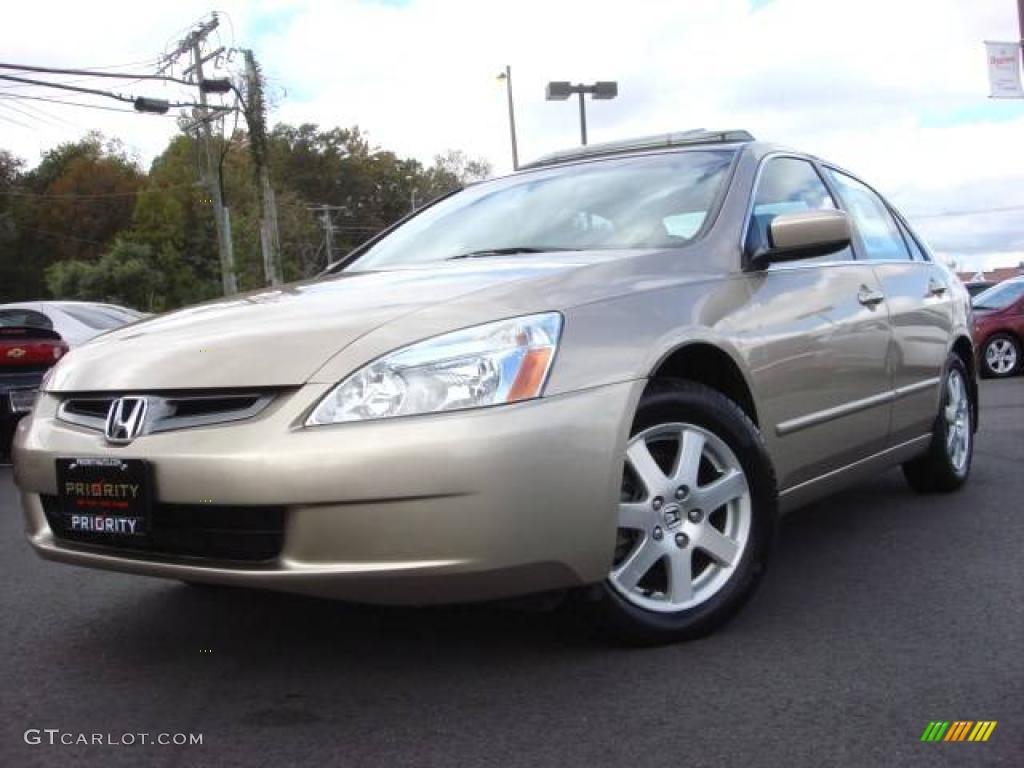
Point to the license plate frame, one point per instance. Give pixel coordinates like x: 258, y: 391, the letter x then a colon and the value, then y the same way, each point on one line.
x: 106, y: 498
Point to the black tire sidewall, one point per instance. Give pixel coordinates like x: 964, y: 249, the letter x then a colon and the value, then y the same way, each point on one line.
x: 687, y: 402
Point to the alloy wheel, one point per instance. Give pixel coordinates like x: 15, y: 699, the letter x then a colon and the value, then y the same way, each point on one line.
x: 1001, y: 356
x: 684, y: 518
x: 957, y: 411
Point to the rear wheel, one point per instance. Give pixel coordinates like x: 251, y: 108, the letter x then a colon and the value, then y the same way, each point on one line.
x: 696, y: 516
x: 947, y: 462
x: 1001, y: 355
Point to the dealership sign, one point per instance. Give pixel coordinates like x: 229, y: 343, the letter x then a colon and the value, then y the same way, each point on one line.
x: 1004, y: 70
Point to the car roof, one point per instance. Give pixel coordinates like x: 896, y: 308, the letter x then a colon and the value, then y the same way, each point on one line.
x: 682, y: 141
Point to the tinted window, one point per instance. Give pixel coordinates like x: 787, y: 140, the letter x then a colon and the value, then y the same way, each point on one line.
x: 24, y: 317
x: 788, y: 185
x: 654, y: 201
x: 1000, y: 296
x: 878, y: 232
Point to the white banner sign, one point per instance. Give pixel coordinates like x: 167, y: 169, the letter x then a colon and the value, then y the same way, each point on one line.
x: 1004, y: 71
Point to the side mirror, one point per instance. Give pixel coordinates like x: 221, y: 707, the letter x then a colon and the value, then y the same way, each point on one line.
x: 793, y: 236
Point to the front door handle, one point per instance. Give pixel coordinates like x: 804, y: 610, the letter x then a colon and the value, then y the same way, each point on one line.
x: 868, y: 297
x: 935, y: 288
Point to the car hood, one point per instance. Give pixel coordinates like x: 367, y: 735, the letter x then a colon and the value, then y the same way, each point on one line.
x: 280, y: 337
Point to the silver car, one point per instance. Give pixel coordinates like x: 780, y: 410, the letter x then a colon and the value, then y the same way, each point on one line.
x: 607, y: 373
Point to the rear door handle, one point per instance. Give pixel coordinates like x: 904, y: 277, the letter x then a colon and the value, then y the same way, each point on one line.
x: 935, y: 288
x: 868, y: 297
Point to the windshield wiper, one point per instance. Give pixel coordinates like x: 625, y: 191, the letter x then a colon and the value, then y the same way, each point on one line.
x: 512, y: 251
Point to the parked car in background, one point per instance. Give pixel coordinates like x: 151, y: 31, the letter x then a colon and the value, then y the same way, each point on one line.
x: 79, y: 321
x: 976, y: 287
x: 28, y: 348
x: 999, y: 328
x: 607, y: 371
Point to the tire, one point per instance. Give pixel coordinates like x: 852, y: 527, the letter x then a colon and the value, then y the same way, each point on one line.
x: 1001, y: 356
x: 706, y: 563
x: 945, y: 466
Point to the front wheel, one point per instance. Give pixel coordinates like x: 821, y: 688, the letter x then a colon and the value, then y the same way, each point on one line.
x: 696, y: 516
x: 947, y: 462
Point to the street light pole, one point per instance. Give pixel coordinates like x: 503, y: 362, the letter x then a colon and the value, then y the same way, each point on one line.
x: 1020, y: 21
x: 560, y: 90
x: 583, y: 120
x: 507, y: 77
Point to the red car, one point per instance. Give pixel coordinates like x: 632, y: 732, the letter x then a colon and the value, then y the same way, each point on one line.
x: 999, y: 328
x: 28, y: 348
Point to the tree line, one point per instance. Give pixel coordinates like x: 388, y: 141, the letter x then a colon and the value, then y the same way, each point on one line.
x: 89, y: 223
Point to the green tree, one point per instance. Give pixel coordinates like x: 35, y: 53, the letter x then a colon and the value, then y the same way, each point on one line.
x: 123, y: 275
x: 173, y: 216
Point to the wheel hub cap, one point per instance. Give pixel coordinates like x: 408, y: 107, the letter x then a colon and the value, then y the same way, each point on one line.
x: 958, y: 421
x: 709, y: 525
x: 1001, y: 356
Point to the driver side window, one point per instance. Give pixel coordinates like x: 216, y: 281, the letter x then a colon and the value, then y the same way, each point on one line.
x: 789, y: 185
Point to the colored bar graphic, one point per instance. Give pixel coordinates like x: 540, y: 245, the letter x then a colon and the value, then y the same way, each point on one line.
x: 958, y: 730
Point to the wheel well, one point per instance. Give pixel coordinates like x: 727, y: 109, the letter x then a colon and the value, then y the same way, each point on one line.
x: 710, y: 366
x: 963, y: 349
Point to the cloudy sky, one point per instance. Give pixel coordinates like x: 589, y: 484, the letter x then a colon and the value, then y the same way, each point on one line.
x: 895, y: 90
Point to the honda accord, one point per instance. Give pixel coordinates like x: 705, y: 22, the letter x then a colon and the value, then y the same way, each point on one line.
x: 605, y: 374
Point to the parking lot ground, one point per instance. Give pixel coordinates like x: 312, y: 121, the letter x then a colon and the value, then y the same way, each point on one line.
x: 883, y: 611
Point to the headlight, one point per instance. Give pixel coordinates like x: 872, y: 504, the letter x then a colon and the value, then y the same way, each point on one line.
x: 490, y: 364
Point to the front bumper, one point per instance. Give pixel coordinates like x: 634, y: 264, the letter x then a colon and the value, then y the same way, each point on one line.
x: 442, y: 508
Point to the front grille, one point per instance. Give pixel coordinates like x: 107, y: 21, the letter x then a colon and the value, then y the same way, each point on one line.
x: 168, y: 411
x: 216, y: 532
x: 98, y: 408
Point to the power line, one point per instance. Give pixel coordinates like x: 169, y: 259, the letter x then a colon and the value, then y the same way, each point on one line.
x: 143, y: 62
x: 93, y: 91
x: 63, y: 235
x: 16, y: 122
x: 68, y: 103
x: 40, y: 114
x: 15, y: 192
x: 114, y: 75
x: 975, y: 212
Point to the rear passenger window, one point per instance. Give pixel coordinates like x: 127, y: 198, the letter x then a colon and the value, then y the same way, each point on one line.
x: 788, y: 185
x: 877, y: 228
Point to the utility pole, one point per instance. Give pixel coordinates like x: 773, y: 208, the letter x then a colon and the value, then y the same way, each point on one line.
x: 328, y: 222
x: 211, y: 172
x: 255, y: 116
x: 412, y: 192
x: 213, y: 175
x: 507, y: 77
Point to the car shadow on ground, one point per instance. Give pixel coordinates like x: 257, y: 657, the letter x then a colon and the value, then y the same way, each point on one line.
x: 826, y: 542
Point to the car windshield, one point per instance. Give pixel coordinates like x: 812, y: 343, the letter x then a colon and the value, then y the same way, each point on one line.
x: 94, y: 317
x: 999, y: 296
x: 654, y: 201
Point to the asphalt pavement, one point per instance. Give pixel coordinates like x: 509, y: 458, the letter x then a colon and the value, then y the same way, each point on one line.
x: 883, y: 611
